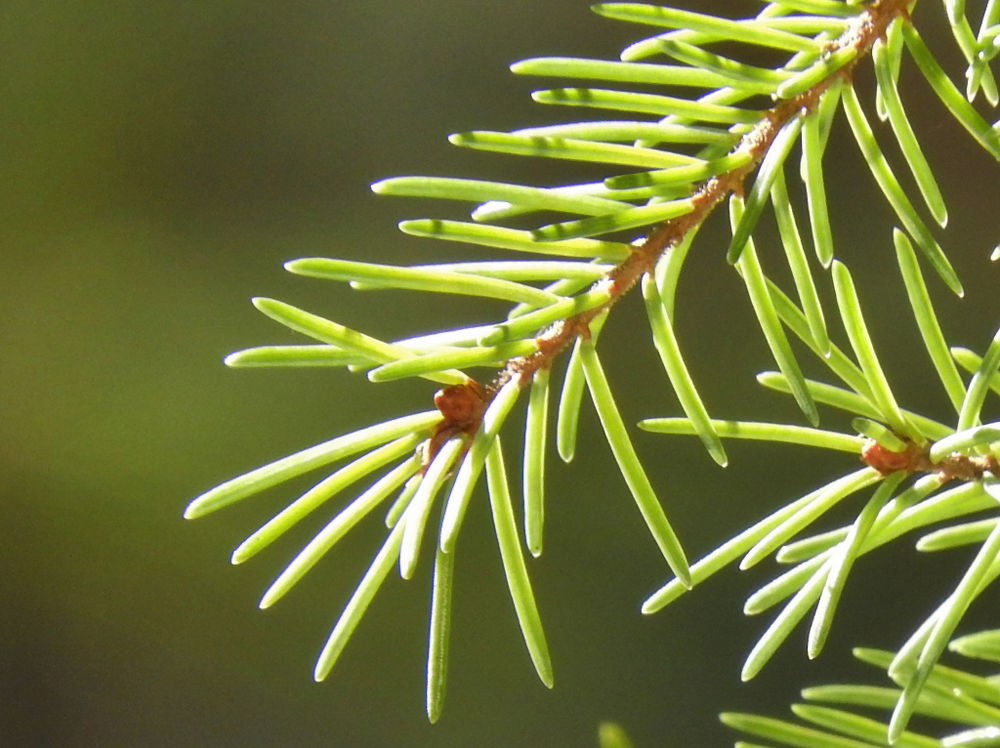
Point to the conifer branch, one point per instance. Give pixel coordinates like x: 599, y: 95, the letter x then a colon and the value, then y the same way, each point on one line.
x: 445, y: 451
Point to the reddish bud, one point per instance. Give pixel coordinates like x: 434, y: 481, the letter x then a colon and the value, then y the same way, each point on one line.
x: 462, y: 407
x: 461, y: 404
x: 886, y: 461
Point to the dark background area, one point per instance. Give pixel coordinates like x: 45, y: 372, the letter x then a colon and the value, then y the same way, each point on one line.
x: 161, y: 160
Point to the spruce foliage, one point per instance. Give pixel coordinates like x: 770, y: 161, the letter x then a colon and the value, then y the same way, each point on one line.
x: 690, y: 128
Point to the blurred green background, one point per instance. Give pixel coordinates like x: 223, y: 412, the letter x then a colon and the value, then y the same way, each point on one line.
x: 161, y: 159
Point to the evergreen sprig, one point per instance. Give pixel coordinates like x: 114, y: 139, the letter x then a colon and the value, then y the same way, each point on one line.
x: 925, y: 473
x: 964, y: 708
x: 672, y: 159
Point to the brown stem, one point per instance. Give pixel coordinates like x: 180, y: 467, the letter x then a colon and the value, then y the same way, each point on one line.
x: 915, y: 458
x: 862, y: 33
